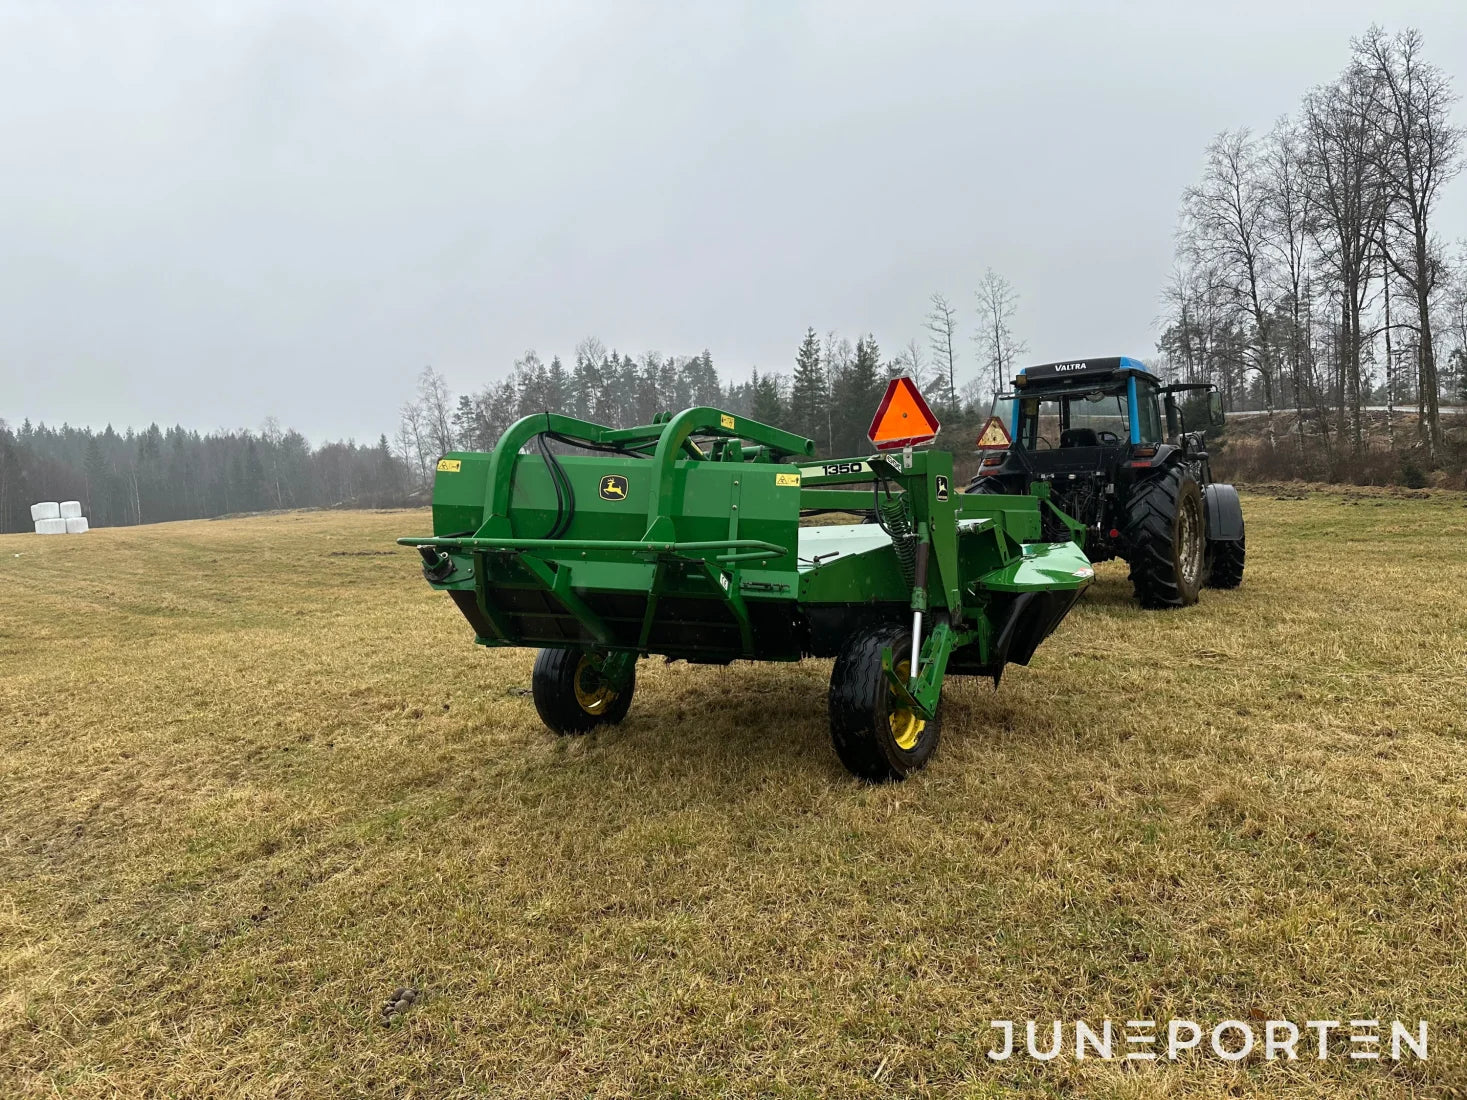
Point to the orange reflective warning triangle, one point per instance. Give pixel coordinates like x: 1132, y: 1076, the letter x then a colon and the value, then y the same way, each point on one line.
x: 994, y: 435
x: 903, y: 417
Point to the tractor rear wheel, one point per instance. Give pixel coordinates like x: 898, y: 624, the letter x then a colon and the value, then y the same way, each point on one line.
x: 875, y: 736
x: 1227, y: 563
x: 572, y: 697
x: 1165, y: 539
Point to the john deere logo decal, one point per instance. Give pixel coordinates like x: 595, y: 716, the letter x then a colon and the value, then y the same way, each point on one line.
x: 941, y: 487
x: 613, y: 487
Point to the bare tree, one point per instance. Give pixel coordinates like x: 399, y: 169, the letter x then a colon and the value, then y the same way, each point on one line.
x: 997, y: 345
x: 437, y: 405
x: 1185, y: 338
x: 1291, y: 212
x: 1342, y: 138
x: 1455, y: 308
x: 1416, y: 151
x: 590, y: 355
x: 912, y: 361
x: 1228, y: 229
x: 412, y: 440
x: 941, y: 324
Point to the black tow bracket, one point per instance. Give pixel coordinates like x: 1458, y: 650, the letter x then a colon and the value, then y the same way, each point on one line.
x: 437, y: 566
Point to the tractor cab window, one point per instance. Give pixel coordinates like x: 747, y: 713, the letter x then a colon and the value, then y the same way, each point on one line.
x: 1039, y: 424
x: 1148, y: 415
x: 1093, y: 419
x: 1096, y: 418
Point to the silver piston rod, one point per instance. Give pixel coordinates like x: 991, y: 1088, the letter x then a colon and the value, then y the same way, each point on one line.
x: 919, y: 601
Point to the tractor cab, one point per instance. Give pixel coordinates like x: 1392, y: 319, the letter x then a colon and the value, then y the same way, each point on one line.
x: 1074, y: 422
x: 1066, y: 418
x: 1110, y: 448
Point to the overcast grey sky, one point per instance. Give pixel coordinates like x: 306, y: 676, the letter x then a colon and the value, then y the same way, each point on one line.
x: 213, y: 215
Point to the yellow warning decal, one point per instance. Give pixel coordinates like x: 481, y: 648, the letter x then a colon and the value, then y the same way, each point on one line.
x: 786, y: 479
x: 449, y: 465
x: 994, y: 435
x: 726, y: 420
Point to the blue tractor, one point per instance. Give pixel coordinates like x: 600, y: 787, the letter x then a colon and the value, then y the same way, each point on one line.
x: 1108, y: 446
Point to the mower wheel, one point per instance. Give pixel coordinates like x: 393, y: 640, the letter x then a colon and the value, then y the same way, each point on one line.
x: 572, y: 697
x: 1227, y: 563
x: 877, y: 738
x: 1165, y: 538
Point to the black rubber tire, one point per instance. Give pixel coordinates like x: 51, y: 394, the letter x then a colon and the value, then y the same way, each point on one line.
x: 984, y: 485
x: 1155, y: 546
x: 553, y: 684
x: 860, y: 728
x: 1227, y: 563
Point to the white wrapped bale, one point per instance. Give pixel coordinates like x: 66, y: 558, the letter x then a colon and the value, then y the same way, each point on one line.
x: 50, y: 527
x: 71, y: 509
x: 76, y: 525
x: 48, y: 509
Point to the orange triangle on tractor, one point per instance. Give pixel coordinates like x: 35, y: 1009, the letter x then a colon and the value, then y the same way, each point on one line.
x: 994, y: 435
x: 903, y: 417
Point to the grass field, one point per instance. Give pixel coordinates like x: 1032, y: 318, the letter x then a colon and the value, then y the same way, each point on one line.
x: 254, y: 776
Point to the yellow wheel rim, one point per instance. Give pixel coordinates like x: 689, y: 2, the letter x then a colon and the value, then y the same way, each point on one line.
x: 906, y: 727
x: 592, y: 692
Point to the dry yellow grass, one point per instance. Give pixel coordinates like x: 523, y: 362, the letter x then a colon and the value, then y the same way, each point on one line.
x: 254, y: 776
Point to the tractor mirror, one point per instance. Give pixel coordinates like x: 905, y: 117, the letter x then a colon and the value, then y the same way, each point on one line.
x: 1214, y: 409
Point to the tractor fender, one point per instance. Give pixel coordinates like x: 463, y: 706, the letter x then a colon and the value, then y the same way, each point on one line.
x: 1224, y: 513
x: 1166, y: 455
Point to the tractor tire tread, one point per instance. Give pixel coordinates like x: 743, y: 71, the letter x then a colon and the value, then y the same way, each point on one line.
x: 1227, y: 564
x: 1149, y: 537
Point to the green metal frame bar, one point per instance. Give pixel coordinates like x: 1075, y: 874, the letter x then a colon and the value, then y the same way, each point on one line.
x: 495, y: 617
x: 654, y: 597
x: 728, y: 587
x: 739, y: 549
x: 557, y: 581
x: 837, y: 471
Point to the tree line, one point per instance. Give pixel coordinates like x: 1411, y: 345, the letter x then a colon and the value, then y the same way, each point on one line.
x: 155, y: 475
x: 829, y: 394
x: 1310, y: 282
